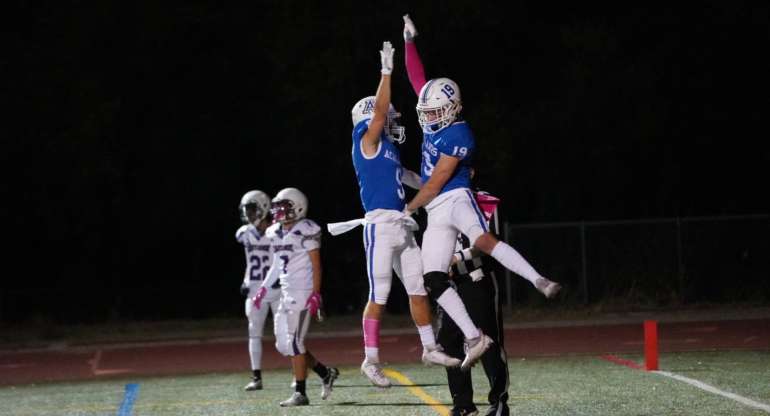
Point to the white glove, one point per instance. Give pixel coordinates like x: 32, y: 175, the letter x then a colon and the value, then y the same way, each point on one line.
x: 386, y: 56
x: 410, y: 32
x: 410, y: 223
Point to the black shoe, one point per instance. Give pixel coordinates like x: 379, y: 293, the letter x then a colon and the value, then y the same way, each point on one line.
x: 468, y: 411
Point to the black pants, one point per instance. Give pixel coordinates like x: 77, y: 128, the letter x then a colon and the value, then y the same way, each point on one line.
x: 482, y: 301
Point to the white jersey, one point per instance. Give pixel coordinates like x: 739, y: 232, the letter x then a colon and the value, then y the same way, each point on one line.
x: 259, y: 258
x: 290, y: 253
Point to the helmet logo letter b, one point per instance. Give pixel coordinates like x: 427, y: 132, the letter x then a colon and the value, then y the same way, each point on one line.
x: 448, y: 91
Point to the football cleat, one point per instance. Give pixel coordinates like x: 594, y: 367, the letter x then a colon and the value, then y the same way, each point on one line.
x: 373, y: 371
x: 328, y: 382
x: 254, y: 385
x: 548, y: 288
x: 474, y: 349
x: 296, y: 399
x: 436, y: 355
x: 464, y: 412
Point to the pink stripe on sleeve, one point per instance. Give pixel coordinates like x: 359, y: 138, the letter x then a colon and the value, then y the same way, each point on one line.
x: 414, y: 68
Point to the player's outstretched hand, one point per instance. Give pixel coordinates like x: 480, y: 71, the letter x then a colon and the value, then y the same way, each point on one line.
x: 410, y: 32
x: 313, y: 303
x: 386, y: 57
x: 261, y: 292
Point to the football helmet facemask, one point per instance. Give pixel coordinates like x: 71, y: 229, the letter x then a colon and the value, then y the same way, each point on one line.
x: 289, y: 205
x: 254, y: 207
x: 364, y: 109
x: 439, y: 104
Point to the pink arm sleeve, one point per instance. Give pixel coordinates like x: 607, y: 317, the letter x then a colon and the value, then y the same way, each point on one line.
x: 414, y: 68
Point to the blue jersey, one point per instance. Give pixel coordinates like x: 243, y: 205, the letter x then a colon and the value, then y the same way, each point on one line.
x: 379, y: 177
x: 455, y: 140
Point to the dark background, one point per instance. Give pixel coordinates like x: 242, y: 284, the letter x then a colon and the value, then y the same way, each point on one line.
x: 134, y: 128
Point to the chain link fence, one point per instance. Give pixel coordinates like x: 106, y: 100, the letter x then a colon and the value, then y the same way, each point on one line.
x: 656, y: 262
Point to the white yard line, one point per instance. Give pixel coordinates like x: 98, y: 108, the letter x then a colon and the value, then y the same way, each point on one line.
x: 711, y: 389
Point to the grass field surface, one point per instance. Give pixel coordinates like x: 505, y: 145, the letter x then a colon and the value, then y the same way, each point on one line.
x: 568, y: 385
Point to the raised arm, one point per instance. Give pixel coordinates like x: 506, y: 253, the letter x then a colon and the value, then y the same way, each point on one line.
x: 414, y: 67
x: 371, y: 139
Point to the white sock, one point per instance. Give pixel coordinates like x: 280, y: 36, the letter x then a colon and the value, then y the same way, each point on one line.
x: 426, y: 336
x: 255, y: 352
x: 372, y: 354
x: 513, y: 261
x: 451, y: 303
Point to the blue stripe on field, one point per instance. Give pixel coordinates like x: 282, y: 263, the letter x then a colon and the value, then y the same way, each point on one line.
x: 132, y: 390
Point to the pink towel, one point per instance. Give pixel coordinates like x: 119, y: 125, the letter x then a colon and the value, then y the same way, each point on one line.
x: 487, y: 203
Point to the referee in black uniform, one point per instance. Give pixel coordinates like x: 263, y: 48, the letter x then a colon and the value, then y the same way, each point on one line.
x: 476, y: 284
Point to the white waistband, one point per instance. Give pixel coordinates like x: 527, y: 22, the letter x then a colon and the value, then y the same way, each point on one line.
x: 446, y: 196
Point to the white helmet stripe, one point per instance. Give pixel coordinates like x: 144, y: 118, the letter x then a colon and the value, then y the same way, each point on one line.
x: 424, y: 97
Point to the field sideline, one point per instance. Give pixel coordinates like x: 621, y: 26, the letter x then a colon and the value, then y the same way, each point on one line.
x: 554, y: 370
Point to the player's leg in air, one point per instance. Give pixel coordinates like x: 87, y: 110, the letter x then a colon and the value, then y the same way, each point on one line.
x: 438, y: 244
x: 470, y: 220
x: 390, y: 245
x: 408, y: 266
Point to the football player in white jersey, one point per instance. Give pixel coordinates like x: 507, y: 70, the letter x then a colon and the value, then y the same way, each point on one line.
x: 297, y: 265
x: 388, y: 235
x: 447, y: 149
x: 255, y: 214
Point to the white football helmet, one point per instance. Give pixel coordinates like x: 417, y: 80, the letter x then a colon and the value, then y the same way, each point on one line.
x: 254, y: 207
x: 289, y: 205
x: 438, y: 105
x: 364, y: 109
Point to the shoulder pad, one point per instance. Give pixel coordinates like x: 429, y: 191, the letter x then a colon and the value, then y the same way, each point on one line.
x: 242, y: 230
x: 307, y: 227
x: 272, y: 231
x: 361, y: 128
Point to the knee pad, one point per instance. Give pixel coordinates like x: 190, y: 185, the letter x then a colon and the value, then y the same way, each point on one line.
x: 436, y: 283
x: 380, y: 290
x: 284, y: 348
x: 473, y: 233
x: 255, y: 331
x: 415, y: 285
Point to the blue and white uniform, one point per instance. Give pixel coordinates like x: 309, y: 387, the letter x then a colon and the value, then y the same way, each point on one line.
x: 259, y: 258
x: 294, y: 270
x: 388, y: 237
x: 453, y: 210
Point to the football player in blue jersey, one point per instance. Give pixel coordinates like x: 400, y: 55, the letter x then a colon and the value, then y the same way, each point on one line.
x: 388, y: 235
x: 447, y: 150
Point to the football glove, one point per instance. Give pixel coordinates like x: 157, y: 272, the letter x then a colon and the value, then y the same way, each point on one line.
x: 386, y: 57
x: 261, y: 292
x: 244, y: 290
x: 313, y: 303
x: 410, y: 32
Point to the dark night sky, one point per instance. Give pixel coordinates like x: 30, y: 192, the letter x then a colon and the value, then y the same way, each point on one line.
x: 136, y: 127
